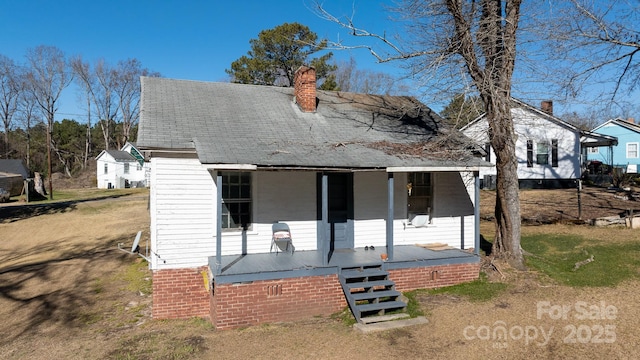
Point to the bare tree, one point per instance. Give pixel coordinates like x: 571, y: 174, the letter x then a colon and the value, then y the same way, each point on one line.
x: 479, y: 37
x: 85, y: 80
x: 127, y: 89
x: 599, y: 41
x: 27, y: 113
x: 99, y: 84
x: 350, y: 78
x: 48, y: 75
x: 9, y: 92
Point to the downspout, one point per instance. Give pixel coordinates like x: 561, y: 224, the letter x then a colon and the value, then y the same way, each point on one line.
x: 390, y: 215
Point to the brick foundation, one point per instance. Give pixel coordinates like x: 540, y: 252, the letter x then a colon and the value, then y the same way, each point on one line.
x: 180, y: 294
x: 434, y: 276
x: 236, y: 305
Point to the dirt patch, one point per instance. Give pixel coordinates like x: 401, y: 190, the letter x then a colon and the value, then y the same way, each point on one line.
x: 551, y: 206
x: 65, y: 294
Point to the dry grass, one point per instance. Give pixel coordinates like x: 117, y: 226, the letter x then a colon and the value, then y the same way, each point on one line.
x: 64, y: 294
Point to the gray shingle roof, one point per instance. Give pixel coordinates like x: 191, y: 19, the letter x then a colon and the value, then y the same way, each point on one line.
x: 120, y: 155
x: 14, y: 166
x: 229, y: 123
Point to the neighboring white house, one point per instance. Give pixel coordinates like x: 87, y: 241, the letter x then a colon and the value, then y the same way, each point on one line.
x: 550, y: 151
x: 230, y: 160
x: 119, y: 169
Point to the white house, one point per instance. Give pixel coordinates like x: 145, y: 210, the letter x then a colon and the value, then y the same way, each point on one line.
x: 118, y: 169
x: 356, y: 178
x: 551, y: 152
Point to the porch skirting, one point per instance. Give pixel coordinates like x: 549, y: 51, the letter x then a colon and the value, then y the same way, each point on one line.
x: 185, y: 293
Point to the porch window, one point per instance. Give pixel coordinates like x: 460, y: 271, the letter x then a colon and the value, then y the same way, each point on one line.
x: 542, y: 153
x: 420, y: 194
x: 236, y: 200
x: 593, y: 150
x: 126, y: 168
x: 632, y: 150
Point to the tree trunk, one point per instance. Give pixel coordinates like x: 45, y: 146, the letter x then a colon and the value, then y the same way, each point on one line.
x: 105, y: 133
x: 87, y: 144
x: 506, y: 244
x: 38, y: 185
x: 49, y: 165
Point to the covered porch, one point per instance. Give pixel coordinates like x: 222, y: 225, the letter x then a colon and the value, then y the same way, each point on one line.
x: 273, y: 266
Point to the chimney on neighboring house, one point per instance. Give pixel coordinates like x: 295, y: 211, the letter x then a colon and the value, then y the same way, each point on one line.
x: 631, y: 120
x: 547, y: 107
x: 304, y: 83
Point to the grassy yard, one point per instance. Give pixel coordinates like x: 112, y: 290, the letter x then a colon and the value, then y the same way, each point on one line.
x: 66, y: 291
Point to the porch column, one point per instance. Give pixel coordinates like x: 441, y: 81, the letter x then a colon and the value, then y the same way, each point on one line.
x: 325, y: 220
x: 476, y: 211
x: 218, y: 223
x: 390, y: 215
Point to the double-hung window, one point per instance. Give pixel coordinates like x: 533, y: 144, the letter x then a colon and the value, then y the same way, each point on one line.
x: 420, y: 194
x: 236, y: 200
x: 126, y: 168
x: 632, y: 150
x: 544, y: 150
x: 542, y: 153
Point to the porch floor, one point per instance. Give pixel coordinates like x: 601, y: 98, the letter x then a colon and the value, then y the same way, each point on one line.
x: 267, y: 266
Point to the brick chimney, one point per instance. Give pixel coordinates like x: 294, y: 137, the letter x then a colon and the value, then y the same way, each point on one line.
x: 304, y: 83
x: 547, y: 107
x: 631, y: 120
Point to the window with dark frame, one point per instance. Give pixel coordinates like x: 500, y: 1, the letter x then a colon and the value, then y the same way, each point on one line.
x: 236, y: 200
x: 420, y: 194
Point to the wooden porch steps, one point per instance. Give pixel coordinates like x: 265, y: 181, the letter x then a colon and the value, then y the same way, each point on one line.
x: 371, y: 295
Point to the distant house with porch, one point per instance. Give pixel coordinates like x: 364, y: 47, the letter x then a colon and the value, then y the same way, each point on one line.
x: 119, y: 169
x: 626, y: 154
x: 355, y: 177
x: 551, y: 152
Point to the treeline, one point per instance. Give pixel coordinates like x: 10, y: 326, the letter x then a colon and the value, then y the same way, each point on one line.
x: 29, y: 94
x: 69, y: 145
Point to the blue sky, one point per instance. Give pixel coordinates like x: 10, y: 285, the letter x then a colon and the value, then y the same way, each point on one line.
x: 188, y: 39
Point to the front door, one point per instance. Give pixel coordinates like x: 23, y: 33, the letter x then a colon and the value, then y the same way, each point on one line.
x: 340, y: 222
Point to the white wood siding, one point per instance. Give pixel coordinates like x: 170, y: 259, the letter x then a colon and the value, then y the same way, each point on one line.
x: 530, y: 126
x: 183, y: 212
x: 182, y: 209
x: 453, y: 200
